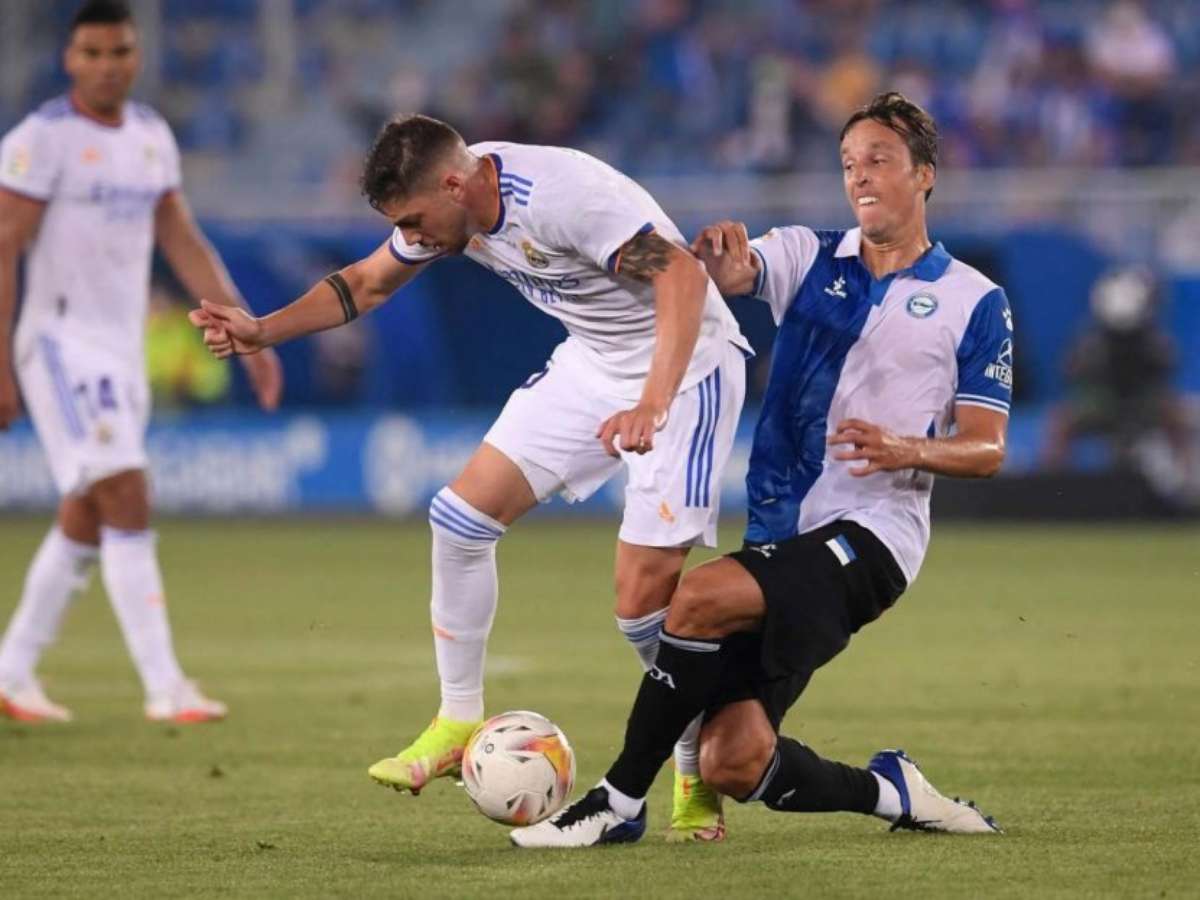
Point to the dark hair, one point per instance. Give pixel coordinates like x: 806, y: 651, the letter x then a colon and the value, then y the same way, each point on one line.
x: 102, y: 12
x: 908, y: 120
x: 403, y: 155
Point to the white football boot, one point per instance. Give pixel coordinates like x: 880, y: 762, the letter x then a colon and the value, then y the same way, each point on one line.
x: 29, y: 703
x: 923, y: 807
x: 587, y: 822
x: 184, y: 705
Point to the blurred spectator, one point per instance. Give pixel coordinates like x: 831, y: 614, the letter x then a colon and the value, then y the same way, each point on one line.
x: 1120, y: 371
x: 181, y: 371
x: 290, y: 91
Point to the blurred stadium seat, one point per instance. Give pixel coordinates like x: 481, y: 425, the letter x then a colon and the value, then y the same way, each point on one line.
x: 1069, y: 144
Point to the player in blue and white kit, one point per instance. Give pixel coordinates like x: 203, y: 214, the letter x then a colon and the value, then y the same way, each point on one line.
x: 652, y: 357
x: 892, y: 364
x: 89, y: 183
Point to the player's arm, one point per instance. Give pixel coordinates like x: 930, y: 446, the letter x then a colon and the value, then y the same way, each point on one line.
x: 724, y: 248
x: 680, y: 284
x: 200, y: 269
x: 20, y: 218
x: 335, y: 300
x: 976, y: 450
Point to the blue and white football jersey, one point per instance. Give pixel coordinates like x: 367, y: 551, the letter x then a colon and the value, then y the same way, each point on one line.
x: 901, y: 352
x: 564, y: 216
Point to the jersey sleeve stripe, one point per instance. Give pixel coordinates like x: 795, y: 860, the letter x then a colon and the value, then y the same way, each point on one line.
x: 24, y: 194
x: 518, y: 179
x: 412, y: 261
x: 614, y: 258
x: 977, y: 400
x: 760, y: 280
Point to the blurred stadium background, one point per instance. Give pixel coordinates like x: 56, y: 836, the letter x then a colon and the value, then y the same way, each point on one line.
x: 1070, y: 147
x: 1046, y: 668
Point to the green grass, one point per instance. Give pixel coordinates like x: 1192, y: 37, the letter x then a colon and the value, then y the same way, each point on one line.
x: 1053, y: 674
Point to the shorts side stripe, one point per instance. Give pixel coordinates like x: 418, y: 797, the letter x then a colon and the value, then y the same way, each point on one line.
x: 712, y: 433
x: 53, y: 360
x: 690, y: 498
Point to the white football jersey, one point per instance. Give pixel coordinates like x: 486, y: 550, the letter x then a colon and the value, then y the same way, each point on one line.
x: 87, y: 274
x: 564, y: 216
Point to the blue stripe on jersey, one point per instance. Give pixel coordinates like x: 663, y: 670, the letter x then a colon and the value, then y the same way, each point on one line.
x: 814, y: 338
x: 760, y: 280
x: 978, y: 400
x: 611, y: 263
x: 518, y: 179
x: 62, y: 387
x: 697, y: 445
x: 508, y: 184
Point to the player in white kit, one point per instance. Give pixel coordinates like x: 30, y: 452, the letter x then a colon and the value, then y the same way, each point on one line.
x: 88, y: 184
x: 653, y: 365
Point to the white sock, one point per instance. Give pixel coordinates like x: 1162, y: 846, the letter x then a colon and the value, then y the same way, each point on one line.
x: 622, y: 804
x: 60, y: 571
x: 888, y: 806
x: 465, y: 593
x: 129, y: 567
x: 643, y: 634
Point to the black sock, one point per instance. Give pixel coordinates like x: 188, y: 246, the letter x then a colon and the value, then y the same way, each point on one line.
x: 673, y: 692
x: 797, y: 780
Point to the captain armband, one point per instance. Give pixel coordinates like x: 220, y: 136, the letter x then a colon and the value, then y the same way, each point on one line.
x: 338, y: 283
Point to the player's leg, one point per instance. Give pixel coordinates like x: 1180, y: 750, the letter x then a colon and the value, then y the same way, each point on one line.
x: 466, y: 518
x: 60, y: 568
x: 672, y: 503
x: 713, y: 601
x: 59, y: 572
x: 742, y: 756
x: 133, y: 580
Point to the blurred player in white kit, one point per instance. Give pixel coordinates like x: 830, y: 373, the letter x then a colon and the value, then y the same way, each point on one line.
x: 89, y: 183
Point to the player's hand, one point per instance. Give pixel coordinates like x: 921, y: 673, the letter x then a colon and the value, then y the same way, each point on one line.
x: 636, y: 428
x: 228, y: 330
x: 10, y: 398
x: 724, y: 248
x: 881, y: 449
x: 266, y: 378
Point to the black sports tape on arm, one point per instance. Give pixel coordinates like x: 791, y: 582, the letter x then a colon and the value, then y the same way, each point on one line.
x: 338, y: 283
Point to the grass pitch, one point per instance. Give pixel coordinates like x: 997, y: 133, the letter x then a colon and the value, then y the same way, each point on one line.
x: 1053, y: 674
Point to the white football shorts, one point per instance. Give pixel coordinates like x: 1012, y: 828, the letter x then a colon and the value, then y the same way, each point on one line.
x: 673, y: 496
x: 89, y: 408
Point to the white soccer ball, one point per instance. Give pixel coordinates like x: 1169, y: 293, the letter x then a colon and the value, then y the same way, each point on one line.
x: 518, y: 768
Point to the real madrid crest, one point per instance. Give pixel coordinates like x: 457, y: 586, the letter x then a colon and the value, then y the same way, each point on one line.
x: 534, y: 256
x: 921, y: 306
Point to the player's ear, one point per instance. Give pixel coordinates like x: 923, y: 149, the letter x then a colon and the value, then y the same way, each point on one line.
x: 453, y: 183
x: 926, y: 176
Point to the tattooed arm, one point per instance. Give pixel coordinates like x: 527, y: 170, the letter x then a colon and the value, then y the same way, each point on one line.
x: 680, y: 283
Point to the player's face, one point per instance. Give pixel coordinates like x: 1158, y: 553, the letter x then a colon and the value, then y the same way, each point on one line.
x: 432, y: 218
x: 102, y: 61
x: 885, y: 189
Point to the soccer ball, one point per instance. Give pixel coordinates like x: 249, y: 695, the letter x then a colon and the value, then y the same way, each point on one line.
x: 518, y: 768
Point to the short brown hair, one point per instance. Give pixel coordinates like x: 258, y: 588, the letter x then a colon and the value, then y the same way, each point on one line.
x: 403, y: 155
x: 895, y: 111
